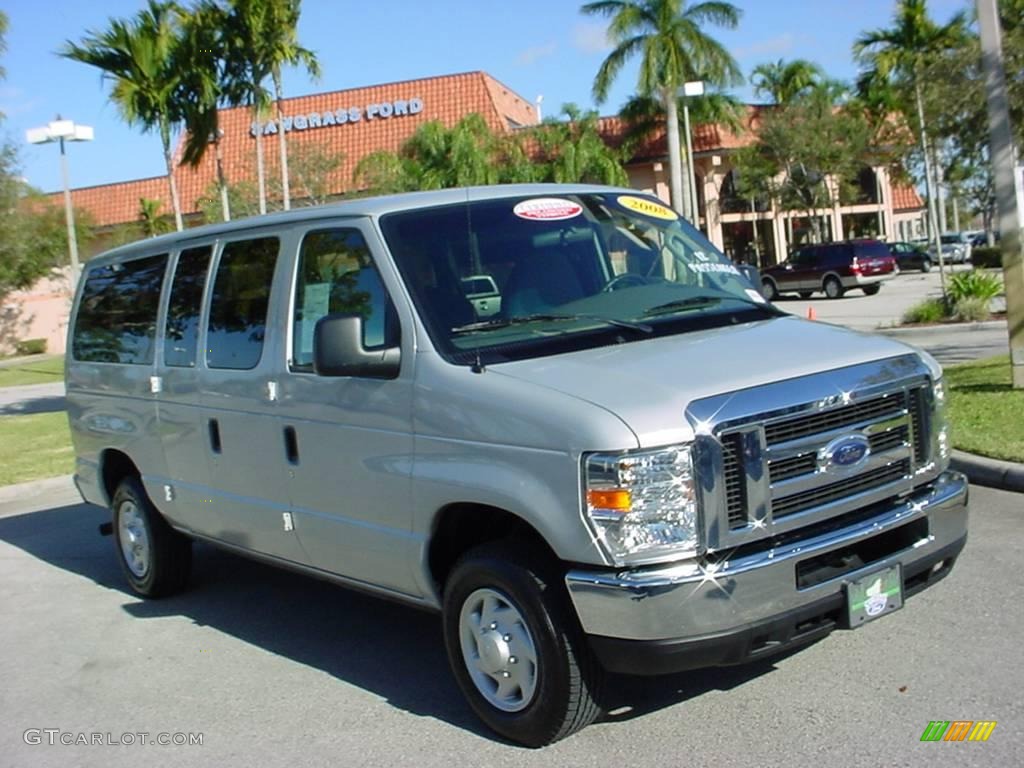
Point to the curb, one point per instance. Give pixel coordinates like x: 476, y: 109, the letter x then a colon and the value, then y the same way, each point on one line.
x: 1004, y: 475
x: 948, y: 327
x: 34, y: 488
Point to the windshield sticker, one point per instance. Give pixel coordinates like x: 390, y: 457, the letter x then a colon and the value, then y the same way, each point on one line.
x: 547, y: 209
x: 647, y: 207
x: 755, y: 296
x: 714, y: 266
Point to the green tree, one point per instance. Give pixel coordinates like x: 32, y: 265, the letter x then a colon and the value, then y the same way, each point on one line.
x: 138, y: 56
x: 151, y: 221
x: 668, y: 37
x: 786, y: 81
x: 899, y: 54
x: 261, y: 38
x: 573, y: 150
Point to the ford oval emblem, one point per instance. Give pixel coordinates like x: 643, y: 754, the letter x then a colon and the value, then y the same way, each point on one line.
x: 846, y: 452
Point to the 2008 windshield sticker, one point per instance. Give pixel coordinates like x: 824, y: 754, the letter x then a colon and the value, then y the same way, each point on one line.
x: 647, y: 207
x: 547, y: 209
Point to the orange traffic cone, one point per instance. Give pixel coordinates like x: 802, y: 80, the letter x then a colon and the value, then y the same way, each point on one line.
x: 811, y: 314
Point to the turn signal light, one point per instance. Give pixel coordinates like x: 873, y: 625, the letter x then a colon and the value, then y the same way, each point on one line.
x: 614, y: 499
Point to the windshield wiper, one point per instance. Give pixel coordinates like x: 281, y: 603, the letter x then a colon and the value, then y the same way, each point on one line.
x: 700, y: 302
x: 484, y: 326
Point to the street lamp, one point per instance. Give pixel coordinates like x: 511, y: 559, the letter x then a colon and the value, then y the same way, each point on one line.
x: 692, y: 88
x: 62, y: 131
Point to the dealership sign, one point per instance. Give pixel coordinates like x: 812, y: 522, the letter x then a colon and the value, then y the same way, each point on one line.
x: 379, y: 111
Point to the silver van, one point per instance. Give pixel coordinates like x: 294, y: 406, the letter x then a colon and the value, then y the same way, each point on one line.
x: 635, y: 465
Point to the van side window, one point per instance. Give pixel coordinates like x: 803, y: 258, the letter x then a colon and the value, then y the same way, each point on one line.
x: 181, y: 334
x: 238, y: 305
x: 116, y: 320
x: 336, y: 274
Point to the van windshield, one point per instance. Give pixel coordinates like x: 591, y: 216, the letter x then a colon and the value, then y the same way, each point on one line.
x: 568, y: 270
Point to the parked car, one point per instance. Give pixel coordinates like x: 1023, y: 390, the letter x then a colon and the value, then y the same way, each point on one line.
x: 639, y: 471
x: 483, y: 294
x: 831, y: 268
x: 911, y: 256
x: 956, y: 248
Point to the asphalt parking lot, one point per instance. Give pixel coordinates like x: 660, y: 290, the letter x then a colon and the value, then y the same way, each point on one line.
x: 276, y: 669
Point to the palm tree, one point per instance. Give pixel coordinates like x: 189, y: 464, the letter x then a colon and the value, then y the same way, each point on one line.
x: 673, y: 48
x: 785, y: 81
x: 139, y: 57
x: 576, y: 152
x: 900, y: 52
x: 261, y: 37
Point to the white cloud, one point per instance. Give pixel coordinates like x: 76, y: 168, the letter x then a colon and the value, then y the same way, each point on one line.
x: 591, y: 37
x: 773, y: 46
x: 536, y: 53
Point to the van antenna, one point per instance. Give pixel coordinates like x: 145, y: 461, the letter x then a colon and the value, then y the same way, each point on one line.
x: 478, y: 365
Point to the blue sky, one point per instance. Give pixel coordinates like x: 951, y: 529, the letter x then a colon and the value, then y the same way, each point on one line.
x: 537, y: 47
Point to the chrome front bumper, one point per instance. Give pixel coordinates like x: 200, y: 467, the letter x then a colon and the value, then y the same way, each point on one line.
x: 709, y: 598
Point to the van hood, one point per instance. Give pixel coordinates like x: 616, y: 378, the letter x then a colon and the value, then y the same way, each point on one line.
x: 650, y: 383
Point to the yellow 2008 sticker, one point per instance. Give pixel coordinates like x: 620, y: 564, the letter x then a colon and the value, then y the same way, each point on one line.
x: 647, y: 207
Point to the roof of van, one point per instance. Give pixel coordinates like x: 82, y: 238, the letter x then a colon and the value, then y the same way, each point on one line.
x: 364, y: 207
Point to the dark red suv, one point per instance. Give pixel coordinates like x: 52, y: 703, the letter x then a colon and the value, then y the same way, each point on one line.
x: 832, y: 268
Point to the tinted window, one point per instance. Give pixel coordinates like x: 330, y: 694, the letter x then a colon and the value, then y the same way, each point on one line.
x: 836, y: 255
x: 336, y: 275
x: 871, y: 249
x: 238, y: 307
x: 116, y: 320
x: 181, y: 334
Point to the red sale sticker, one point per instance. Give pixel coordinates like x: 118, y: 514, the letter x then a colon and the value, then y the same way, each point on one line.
x: 547, y: 209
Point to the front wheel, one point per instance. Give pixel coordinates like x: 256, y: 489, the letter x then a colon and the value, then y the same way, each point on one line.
x: 515, y: 647
x: 768, y: 289
x: 926, y: 265
x: 155, y: 558
x: 833, y: 287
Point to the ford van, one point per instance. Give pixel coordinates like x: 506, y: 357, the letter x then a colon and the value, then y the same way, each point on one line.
x: 633, y: 463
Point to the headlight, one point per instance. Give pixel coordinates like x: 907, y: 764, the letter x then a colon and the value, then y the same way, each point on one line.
x: 642, y: 503
x: 941, y: 423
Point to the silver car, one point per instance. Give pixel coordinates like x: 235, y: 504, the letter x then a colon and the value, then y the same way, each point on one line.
x: 635, y: 464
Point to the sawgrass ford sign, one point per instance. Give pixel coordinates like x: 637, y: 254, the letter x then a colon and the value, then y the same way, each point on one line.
x: 379, y: 111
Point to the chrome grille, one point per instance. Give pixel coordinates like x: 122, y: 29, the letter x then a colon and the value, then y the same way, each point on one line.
x: 768, y: 443
x: 736, y: 507
x: 825, y: 494
x: 874, y: 409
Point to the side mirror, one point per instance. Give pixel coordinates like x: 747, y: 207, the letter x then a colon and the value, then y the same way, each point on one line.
x: 788, y: 265
x: 338, y: 350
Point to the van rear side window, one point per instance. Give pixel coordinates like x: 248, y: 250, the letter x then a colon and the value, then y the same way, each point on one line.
x: 181, y: 334
x: 238, y: 307
x: 116, y: 321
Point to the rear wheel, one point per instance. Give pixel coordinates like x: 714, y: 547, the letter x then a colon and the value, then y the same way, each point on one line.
x: 833, y: 287
x: 515, y: 647
x: 926, y: 265
x: 871, y: 290
x: 155, y: 558
x: 768, y: 289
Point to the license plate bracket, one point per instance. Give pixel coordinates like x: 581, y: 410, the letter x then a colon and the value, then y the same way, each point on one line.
x: 874, y: 595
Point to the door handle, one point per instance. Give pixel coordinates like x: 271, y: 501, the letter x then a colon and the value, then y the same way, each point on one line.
x: 291, y: 445
x: 214, y: 430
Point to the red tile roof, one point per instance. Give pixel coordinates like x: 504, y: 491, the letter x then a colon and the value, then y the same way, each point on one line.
x: 905, y: 198
x: 448, y: 99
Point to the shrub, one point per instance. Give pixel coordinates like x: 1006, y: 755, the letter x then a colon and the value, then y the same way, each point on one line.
x: 972, y: 310
x: 30, y: 347
x: 976, y: 284
x: 927, y: 311
x: 987, y: 258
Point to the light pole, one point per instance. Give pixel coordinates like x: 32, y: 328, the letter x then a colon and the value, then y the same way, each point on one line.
x: 62, y: 131
x: 692, y: 88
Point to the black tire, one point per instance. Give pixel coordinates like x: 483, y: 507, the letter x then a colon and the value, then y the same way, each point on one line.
x: 833, y: 287
x: 566, y: 679
x: 805, y: 294
x: 871, y: 290
x: 167, y: 554
x: 768, y: 289
x: 926, y: 265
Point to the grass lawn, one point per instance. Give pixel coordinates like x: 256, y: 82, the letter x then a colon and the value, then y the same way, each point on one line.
x: 40, y: 370
x: 984, y: 410
x: 35, y: 446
